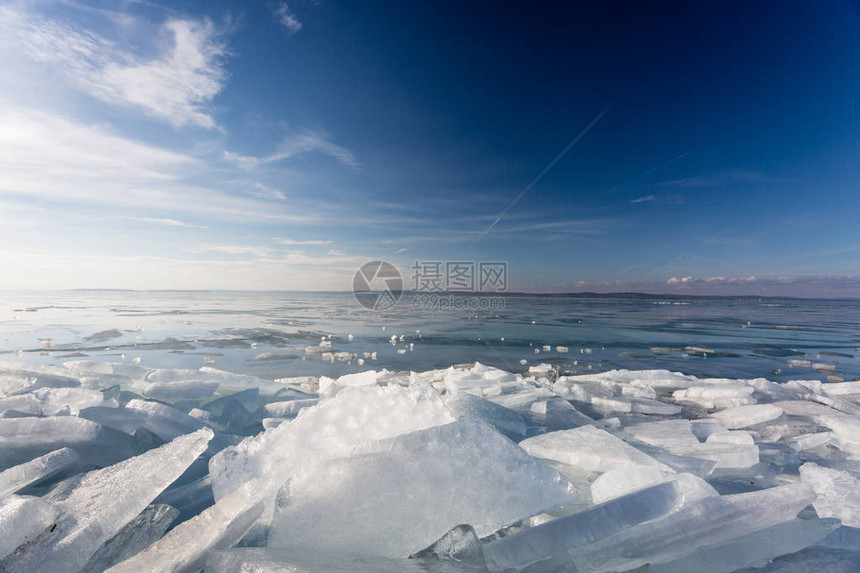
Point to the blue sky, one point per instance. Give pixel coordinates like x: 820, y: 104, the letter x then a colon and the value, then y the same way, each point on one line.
x: 270, y: 145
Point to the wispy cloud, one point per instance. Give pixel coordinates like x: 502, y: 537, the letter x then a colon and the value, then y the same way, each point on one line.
x: 51, y: 157
x: 166, y: 222
x: 727, y: 177
x: 232, y: 250
x: 287, y: 18
x: 644, y: 199
x: 305, y: 141
x: 295, y: 242
x: 177, y: 84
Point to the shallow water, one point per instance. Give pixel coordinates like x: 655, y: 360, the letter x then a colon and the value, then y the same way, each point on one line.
x: 227, y: 330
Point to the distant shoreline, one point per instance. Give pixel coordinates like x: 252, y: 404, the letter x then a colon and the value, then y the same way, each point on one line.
x: 586, y: 295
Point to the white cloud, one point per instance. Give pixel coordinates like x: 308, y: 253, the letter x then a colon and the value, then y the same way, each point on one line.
x: 177, y: 84
x: 51, y: 157
x: 295, y: 242
x: 336, y: 253
x: 644, y: 199
x: 232, y: 250
x: 287, y: 19
x: 166, y: 222
x: 300, y: 143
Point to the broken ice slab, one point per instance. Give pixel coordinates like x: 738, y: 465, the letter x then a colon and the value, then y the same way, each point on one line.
x: 22, y: 519
x: 616, y: 483
x: 748, y: 416
x: 103, y: 502
x: 589, y: 448
x: 661, y: 381
x: 137, y: 535
x: 838, y: 492
x: 842, y: 388
x: 249, y: 399
x: 55, y: 401
x: 23, y: 439
x: 812, y: 559
x: 285, y: 409
x: 561, y: 535
x: 23, y: 381
x: 180, y: 390
x: 24, y: 403
x: 167, y: 423
x: 332, y: 428
x: 376, y: 500
x: 715, y: 519
x: 717, y: 396
x: 186, y: 546
x: 123, y: 419
x: 17, y: 477
x: 189, y: 499
x: 555, y: 414
x: 271, y: 560
x: 751, y: 550
x: 466, y: 406
x: 845, y: 430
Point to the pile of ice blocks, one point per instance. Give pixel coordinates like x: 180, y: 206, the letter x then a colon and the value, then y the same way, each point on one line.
x: 123, y: 468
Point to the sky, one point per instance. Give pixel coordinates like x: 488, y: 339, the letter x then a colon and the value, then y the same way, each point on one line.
x: 671, y: 147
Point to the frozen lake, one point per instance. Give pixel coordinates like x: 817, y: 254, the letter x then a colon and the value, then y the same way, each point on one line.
x: 267, y: 334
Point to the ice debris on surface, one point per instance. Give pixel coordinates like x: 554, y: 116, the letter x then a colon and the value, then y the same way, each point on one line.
x: 104, y: 501
x: 121, y: 467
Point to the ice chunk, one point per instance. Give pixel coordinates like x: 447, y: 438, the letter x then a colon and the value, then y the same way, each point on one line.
x: 103, y: 502
x: 165, y: 422
x: 376, y: 500
x: 655, y: 407
x: 556, y: 414
x: 123, y: 419
x: 747, y: 416
x: 842, y: 388
x: 180, y: 390
x: 286, y: 409
x: 25, y: 403
x: 185, y: 547
x: 668, y: 434
x: 68, y: 400
x: 272, y: 560
x: 190, y: 499
x: 137, y: 535
x: 616, y: 483
x: 17, y: 477
x: 22, y: 439
x: 589, y: 448
x: 23, y: 381
x: 751, y: 550
x: 22, y: 519
x: 461, y: 544
x: 838, y: 492
x: 720, y: 396
x: 715, y: 519
x: 470, y: 407
x: 330, y: 429
x: 846, y: 431
x: 559, y: 536
x: 738, y: 437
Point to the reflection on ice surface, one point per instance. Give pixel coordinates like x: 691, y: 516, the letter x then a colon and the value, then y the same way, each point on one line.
x: 466, y: 468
